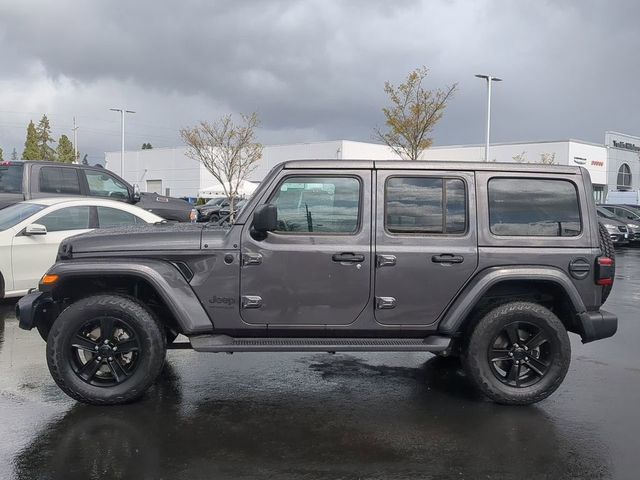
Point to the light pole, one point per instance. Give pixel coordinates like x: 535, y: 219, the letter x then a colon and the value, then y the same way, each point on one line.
x: 122, y: 112
x: 489, y: 79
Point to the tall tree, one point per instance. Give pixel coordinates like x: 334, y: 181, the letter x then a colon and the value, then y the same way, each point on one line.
x: 85, y: 160
x: 43, y: 131
x: 147, y: 146
x: 227, y: 149
x: 1, y: 154
x: 14, y: 154
x: 31, y: 150
x: 412, y: 115
x: 64, y: 150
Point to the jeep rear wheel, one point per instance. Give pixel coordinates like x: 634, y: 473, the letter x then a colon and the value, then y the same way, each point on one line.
x: 518, y: 353
x: 105, y: 350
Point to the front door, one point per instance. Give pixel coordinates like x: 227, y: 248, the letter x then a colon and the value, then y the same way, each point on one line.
x: 315, y: 269
x: 426, y: 245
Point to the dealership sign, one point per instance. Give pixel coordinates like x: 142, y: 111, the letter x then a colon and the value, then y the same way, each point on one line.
x: 626, y: 145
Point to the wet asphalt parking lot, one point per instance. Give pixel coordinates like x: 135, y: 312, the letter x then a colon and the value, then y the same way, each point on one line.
x: 344, y: 416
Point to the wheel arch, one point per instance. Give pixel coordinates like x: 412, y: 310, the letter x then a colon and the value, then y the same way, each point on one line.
x: 156, y: 283
x: 545, y: 285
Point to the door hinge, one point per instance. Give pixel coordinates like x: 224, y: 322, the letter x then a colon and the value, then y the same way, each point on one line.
x: 251, y: 259
x: 251, y: 301
x: 385, y: 303
x: 385, y: 260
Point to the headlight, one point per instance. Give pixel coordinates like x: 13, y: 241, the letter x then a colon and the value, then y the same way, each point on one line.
x: 610, y: 228
x: 635, y: 226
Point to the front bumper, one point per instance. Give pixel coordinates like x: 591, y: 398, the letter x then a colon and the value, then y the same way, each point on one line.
x: 33, y: 307
x: 597, y: 324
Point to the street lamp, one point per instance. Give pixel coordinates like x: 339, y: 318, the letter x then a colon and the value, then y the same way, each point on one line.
x: 489, y: 79
x: 122, y: 112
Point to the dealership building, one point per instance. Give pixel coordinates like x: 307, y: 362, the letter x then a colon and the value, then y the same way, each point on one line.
x: 613, y: 166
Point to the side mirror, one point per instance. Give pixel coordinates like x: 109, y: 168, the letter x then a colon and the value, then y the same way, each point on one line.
x: 35, y: 229
x: 265, y: 218
x: 135, y: 197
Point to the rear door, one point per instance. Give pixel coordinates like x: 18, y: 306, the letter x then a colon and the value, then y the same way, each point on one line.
x: 426, y: 244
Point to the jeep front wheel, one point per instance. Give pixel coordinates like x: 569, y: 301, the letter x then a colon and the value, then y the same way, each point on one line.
x: 105, y: 350
x: 518, y: 353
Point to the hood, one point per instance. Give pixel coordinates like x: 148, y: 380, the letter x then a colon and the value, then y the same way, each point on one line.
x: 144, y: 238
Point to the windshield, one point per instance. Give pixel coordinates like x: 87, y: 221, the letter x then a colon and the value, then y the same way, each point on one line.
x: 10, y: 178
x: 215, y: 201
x: 603, y: 212
x: 14, y: 214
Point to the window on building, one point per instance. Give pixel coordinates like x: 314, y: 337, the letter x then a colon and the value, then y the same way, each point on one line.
x: 71, y: 218
x: 318, y: 205
x: 425, y: 205
x: 59, y: 180
x: 624, y: 177
x: 533, y: 207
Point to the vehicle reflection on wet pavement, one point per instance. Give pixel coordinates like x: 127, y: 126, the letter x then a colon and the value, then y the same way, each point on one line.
x: 321, y: 415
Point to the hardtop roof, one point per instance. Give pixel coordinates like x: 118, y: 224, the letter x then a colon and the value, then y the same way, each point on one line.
x: 429, y: 165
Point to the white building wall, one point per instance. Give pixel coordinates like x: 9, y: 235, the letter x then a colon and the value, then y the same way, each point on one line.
x: 622, y: 148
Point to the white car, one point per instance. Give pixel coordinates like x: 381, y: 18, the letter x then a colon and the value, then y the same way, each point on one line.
x: 31, y: 231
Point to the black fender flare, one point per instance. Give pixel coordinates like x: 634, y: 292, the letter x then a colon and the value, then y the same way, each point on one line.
x: 163, y: 276
x: 481, y: 283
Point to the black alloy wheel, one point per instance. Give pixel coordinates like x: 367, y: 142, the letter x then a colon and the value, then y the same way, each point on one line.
x: 104, y: 351
x: 521, y: 354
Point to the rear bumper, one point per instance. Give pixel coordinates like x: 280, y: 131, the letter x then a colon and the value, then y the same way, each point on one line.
x: 597, y: 324
x: 30, y: 307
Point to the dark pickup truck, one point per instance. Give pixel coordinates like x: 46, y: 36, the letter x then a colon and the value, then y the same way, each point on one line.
x: 26, y: 180
x: 493, y: 263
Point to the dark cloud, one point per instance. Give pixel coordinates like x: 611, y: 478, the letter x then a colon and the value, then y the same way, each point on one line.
x: 315, y: 69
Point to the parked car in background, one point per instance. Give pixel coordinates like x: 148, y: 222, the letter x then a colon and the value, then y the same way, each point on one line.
x: 617, y: 228
x: 31, y: 231
x: 237, y: 207
x: 210, y: 211
x: 26, y: 180
x: 630, y: 214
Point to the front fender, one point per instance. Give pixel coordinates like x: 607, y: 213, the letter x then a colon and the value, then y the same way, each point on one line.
x: 475, y: 290
x: 164, y: 277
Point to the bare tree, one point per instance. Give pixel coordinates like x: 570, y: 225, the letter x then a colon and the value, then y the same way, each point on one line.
x: 413, y: 114
x: 227, y: 149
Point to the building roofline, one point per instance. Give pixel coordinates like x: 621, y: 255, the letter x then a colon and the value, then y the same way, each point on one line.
x: 566, y: 140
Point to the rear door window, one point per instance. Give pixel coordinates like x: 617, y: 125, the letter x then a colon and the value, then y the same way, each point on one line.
x: 533, y: 207
x: 59, y: 180
x: 112, y: 217
x: 11, y: 178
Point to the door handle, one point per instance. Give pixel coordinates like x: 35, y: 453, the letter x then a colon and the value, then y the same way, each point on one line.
x: 447, y: 258
x: 348, y: 257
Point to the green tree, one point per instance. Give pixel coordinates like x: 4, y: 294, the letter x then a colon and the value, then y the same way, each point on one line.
x: 1, y: 153
x: 64, y: 150
x: 31, y: 151
x: 146, y: 146
x: 413, y: 114
x: 85, y: 160
x: 14, y: 154
x: 43, y: 131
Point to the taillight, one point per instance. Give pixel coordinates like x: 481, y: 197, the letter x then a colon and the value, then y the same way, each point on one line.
x: 604, y: 271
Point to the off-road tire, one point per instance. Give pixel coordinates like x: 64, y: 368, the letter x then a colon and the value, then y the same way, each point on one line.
x: 151, y: 355
x: 606, y: 245
x: 475, y: 358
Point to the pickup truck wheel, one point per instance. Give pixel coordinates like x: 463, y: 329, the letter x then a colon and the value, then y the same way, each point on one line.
x: 105, y: 350
x: 518, y: 353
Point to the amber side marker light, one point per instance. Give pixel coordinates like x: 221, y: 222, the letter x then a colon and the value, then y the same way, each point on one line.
x: 49, y: 279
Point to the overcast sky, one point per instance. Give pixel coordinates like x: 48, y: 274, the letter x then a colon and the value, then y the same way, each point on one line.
x: 314, y: 70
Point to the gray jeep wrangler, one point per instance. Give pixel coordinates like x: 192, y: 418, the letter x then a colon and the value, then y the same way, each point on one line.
x: 494, y: 263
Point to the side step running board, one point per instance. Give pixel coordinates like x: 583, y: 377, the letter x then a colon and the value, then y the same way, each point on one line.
x: 225, y: 343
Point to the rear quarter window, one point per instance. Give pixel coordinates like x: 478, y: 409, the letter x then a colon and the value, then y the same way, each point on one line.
x: 533, y: 207
x: 59, y: 180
